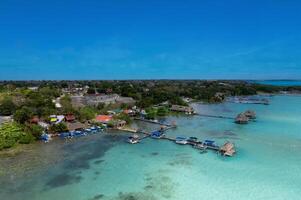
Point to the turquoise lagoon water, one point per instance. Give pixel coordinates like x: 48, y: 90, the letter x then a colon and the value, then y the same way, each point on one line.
x: 267, y: 164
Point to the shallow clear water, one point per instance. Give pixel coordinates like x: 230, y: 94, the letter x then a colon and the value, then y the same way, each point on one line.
x: 267, y: 164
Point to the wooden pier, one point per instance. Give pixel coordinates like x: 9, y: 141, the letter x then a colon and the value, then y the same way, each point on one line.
x: 249, y: 101
x: 227, y: 149
x: 214, y: 116
x: 153, y: 122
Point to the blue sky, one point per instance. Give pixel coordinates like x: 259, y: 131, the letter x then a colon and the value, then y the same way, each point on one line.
x: 158, y: 39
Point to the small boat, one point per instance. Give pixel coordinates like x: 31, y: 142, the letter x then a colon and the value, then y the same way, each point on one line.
x: 79, y: 133
x: 88, y: 130
x: 199, y: 146
x: 66, y: 134
x: 210, y: 143
x: 134, y: 139
x: 45, y: 137
x: 181, y: 140
x: 192, y: 139
x: 157, y: 134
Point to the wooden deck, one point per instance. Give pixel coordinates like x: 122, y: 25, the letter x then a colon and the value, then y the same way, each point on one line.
x: 152, y: 121
x: 222, y: 150
x: 214, y: 116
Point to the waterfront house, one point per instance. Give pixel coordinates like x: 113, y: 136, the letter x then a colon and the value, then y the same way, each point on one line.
x: 119, y: 123
x: 104, y: 118
x: 187, y: 109
x: 70, y: 118
x: 34, y: 120
x: 75, y: 126
x: 228, y: 149
x: 241, y: 119
x: 129, y: 112
x: 250, y: 114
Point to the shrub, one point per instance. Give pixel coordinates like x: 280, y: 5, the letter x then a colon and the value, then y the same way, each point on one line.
x: 26, y: 138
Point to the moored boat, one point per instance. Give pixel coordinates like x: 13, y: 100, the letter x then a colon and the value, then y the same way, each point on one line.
x: 134, y: 139
x: 181, y: 140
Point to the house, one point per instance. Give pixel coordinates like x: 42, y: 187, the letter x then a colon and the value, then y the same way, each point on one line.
x: 75, y: 126
x: 103, y: 118
x: 250, y: 114
x: 115, y: 111
x: 78, y: 101
x: 186, y: 109
x: 125, y: 100
x: 219, y: 97
x: 119, y: 123
x: 241, y: 119
x: 129, y: 112
x: 34, y: 120
x: 70, y: 117
x: 96, y: 99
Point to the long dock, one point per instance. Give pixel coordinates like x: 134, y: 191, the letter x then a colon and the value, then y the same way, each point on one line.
x: 227, y: 149
x: 191, y: 143
x: 249, y: 101
x: 214, y: 116
x: 152, y: 121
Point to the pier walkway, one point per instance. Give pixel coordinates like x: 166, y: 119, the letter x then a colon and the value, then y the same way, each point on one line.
x: 214, y: 116
x: 153, y: 121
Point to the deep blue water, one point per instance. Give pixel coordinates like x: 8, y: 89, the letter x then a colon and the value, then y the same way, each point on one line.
x: 281, y: 83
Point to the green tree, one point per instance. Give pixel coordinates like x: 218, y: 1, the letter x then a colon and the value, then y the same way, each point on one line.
x: 58, y: 128
x: 7, y: 106
x: 23, y: 115
x: 162, y: 111
x: 87, y: 113
x: 123, y: 116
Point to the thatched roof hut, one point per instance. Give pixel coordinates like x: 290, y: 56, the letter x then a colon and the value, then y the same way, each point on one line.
x: 228, y: 149
x: 179, y: 108
x: 241, y: 119
x: 250, y: 114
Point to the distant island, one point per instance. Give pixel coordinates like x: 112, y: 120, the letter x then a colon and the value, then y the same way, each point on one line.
x: 30, y: 108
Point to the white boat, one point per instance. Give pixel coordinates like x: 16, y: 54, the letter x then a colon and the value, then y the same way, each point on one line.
x: 181, y: 140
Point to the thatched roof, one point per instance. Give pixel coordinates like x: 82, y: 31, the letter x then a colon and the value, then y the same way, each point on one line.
x: 181, y: 108
x: 228, y: 149
x: 250, y: 114
x: 242, y: 119
x: 75, y: 126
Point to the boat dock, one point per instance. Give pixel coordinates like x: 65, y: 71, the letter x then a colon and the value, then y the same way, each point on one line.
x: 153, y: 122
x: 245, y: 100
x: 214, y: 116
x: 227, y: 149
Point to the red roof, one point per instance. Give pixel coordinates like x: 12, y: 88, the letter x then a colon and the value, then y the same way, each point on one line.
x: 103, y: 118
x: 70, y: 117
x: 34, y: 120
